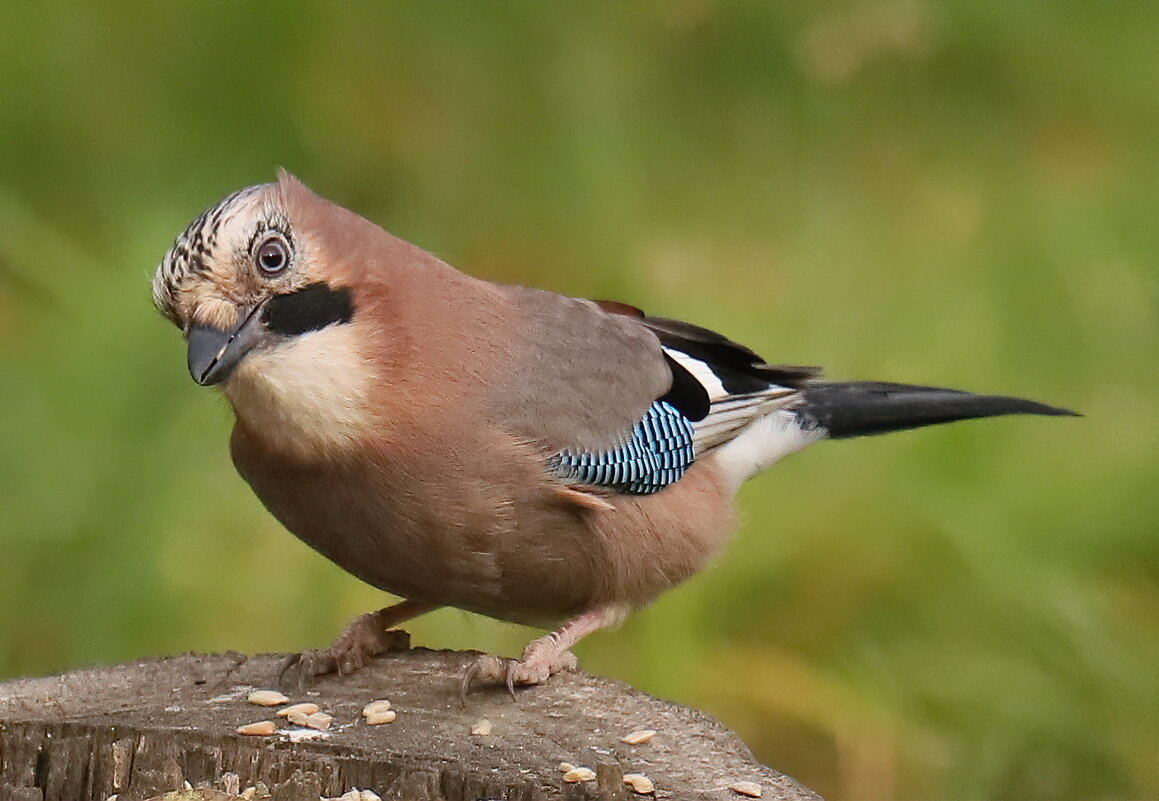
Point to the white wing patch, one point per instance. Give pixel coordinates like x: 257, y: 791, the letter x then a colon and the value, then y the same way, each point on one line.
x: 746, y: 433
x: 701, y: 372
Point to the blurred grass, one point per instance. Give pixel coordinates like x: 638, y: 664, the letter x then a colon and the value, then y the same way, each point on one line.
x: 948, y: 193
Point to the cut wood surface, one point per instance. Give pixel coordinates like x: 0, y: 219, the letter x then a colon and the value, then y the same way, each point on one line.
x: 143, y: 728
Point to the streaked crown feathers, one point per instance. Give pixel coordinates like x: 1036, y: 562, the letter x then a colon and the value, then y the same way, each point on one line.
x: 210, y: 240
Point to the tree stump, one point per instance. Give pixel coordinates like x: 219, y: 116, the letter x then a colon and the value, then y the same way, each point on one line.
x: 145, y: 728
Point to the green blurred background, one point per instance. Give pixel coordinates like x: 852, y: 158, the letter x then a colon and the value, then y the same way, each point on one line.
x: 936, y: 192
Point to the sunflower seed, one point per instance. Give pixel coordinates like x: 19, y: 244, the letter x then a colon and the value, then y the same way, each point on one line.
x: 638, y: 737
x: 263, y: 728
x: 266, y: 698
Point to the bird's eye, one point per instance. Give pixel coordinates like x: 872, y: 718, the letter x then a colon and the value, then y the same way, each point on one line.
x: 272, y: 255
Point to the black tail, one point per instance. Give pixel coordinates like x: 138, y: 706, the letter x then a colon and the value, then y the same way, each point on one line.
x: 861, y: 408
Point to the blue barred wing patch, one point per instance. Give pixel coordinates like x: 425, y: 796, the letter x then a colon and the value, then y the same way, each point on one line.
x: 654, y: 456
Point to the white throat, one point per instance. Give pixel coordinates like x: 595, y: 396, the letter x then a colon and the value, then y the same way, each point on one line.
x: 308, y: 396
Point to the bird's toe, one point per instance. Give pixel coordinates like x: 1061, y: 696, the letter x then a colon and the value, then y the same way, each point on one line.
x: 526, y: 672
x: 352, y: 651
x: 297, y: 670
x: 361, y: 642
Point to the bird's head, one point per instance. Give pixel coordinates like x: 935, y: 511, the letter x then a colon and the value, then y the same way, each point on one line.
x: 242, y: 277
x: 263, y: 287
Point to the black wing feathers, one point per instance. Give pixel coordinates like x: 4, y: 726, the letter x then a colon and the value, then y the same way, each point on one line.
x: 686, y: 394
x: 739, y: 369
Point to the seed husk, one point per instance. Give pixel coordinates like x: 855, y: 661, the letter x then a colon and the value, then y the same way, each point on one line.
x: 262, y: 728
x: 315, y: 720
x: 639, y: 783
x: 751, y: 789
x: 319, y: 720
x: 638, y: 737
x: 266, y: 698
x: 306, y: 708
x: 579, y: 775
x: 375, y: 707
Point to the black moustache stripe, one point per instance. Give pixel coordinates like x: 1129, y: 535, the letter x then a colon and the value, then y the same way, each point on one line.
x: 311, y: 308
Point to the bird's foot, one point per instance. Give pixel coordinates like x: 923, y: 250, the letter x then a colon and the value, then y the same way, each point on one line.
x: 364, y: 639
x: 542, y: 658
x: 536, y: 667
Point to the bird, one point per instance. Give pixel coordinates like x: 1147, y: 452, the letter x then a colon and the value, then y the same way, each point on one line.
x: 505, y: 450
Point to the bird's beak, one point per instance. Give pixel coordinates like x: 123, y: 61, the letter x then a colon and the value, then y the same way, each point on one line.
x: 214, y: 352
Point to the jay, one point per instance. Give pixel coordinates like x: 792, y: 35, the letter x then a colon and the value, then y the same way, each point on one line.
x: 508, y: 451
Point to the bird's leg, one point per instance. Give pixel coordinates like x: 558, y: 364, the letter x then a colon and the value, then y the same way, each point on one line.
x: 542, y: 658
x: 367, y: 636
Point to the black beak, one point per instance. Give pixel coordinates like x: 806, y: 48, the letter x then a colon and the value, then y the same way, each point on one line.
x: 214, y: 353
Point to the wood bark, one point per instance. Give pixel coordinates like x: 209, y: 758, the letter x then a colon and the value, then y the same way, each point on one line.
x: 143, y: 728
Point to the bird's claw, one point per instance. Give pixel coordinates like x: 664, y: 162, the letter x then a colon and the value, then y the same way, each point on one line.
x: 531, y: 670
x: 354, y: 648
x: 297, y: 669
x: 490, y: 669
